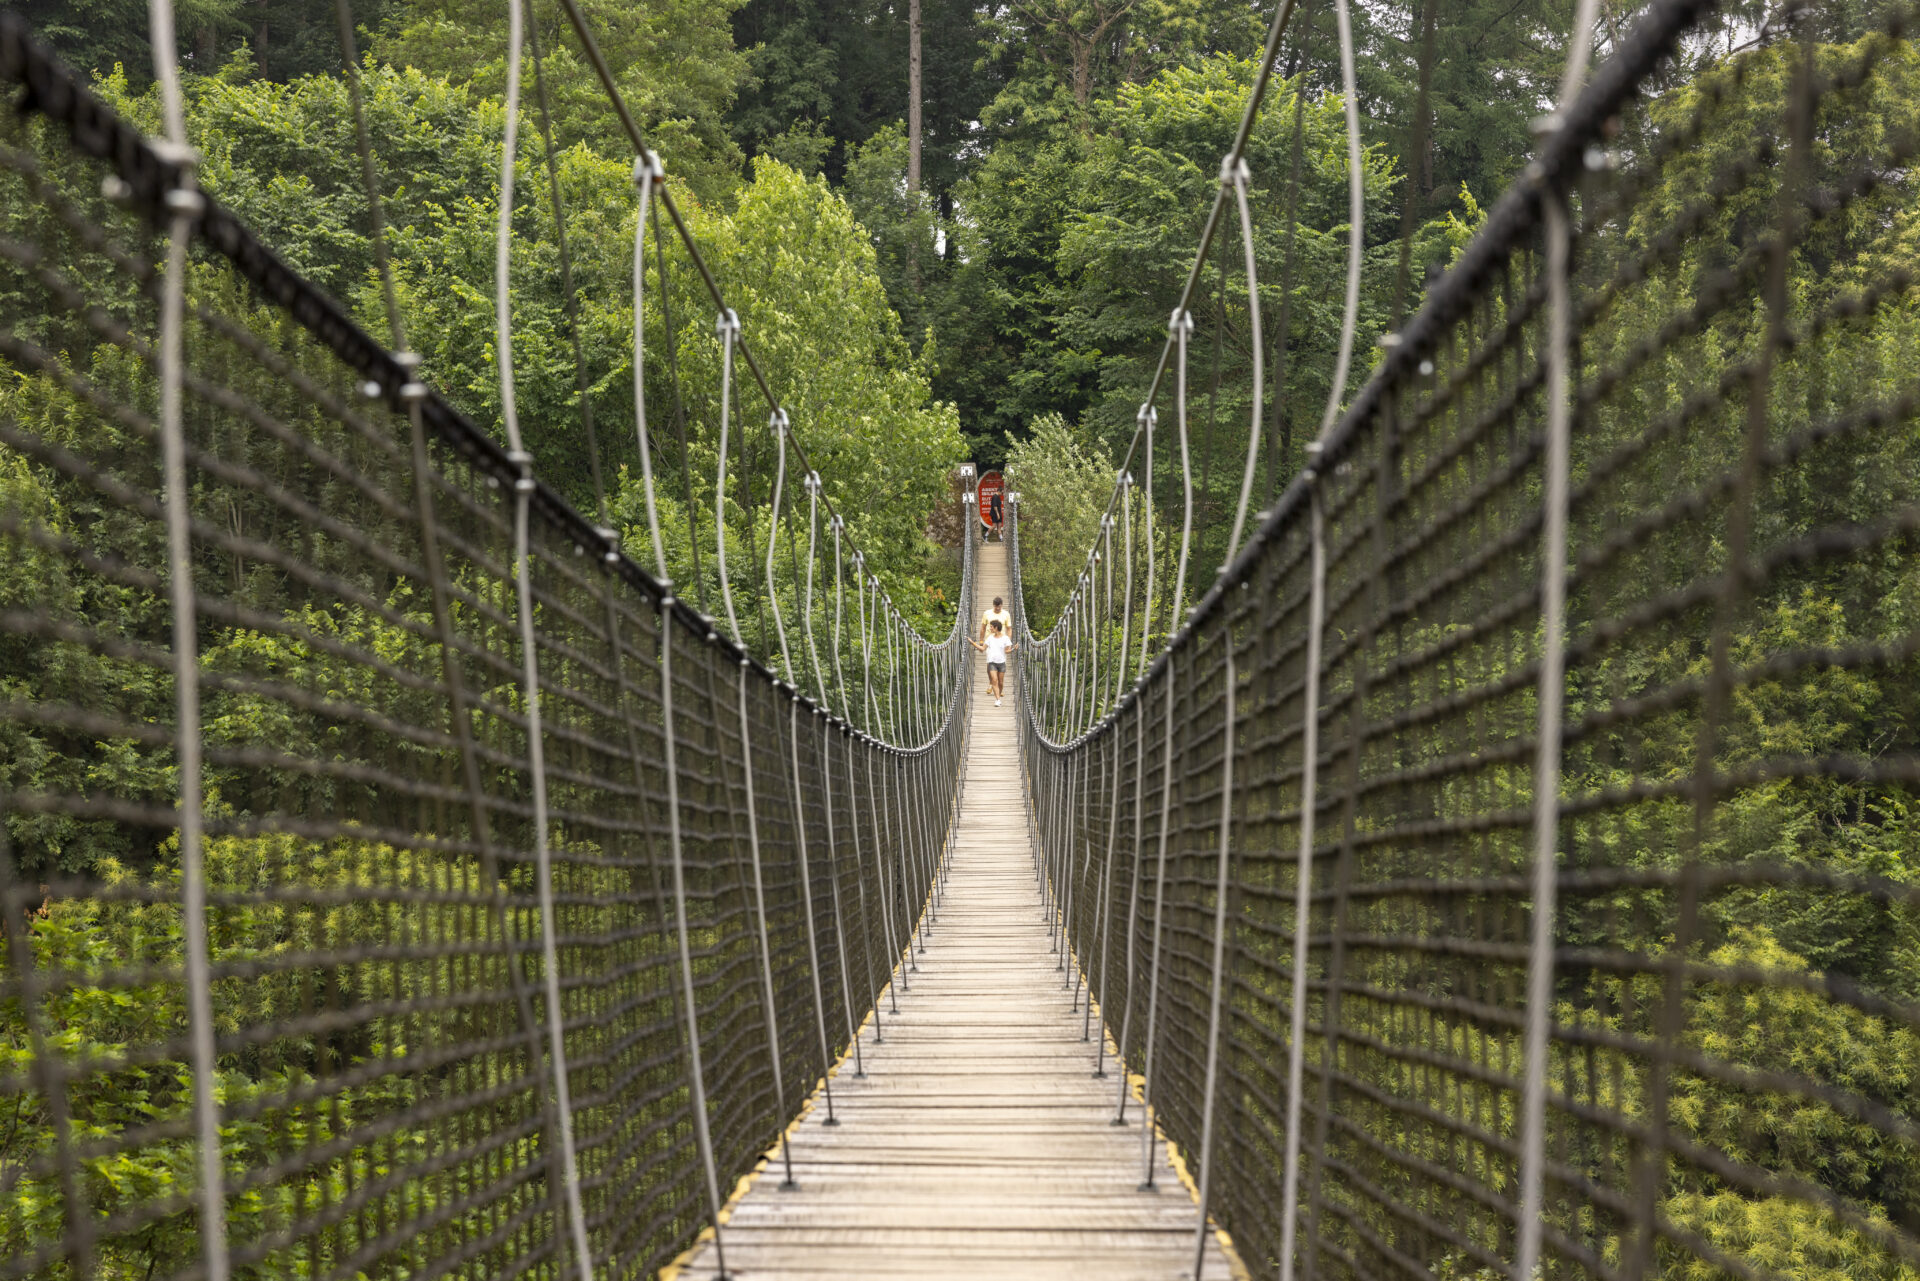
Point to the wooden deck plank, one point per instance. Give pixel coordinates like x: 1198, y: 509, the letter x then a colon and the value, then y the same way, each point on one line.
x: 979, y: 1144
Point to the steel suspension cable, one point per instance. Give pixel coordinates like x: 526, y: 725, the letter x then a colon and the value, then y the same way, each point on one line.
x: 760, y: 921
x: 529, y: 657
x: 806, y: 901
x: 696, y: 1076
x: 184, y: 203
x: 1303, y: 875
x: 1552, y: 692
x: 1221, y: 890
x: 833, y: 882
x: 1159, y: 933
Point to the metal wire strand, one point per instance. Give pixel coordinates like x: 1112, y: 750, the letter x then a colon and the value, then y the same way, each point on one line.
x: 529, y: 652
x: 184, y: 204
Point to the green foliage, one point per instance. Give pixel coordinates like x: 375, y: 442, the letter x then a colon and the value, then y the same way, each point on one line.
x: 803, y: 276
x: 1064, y: 480
x: 673, y: 61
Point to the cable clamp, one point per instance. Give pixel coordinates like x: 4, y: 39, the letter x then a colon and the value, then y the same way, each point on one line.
x: 177, y: 154
x: 524, y: 461
x: 184, y: 202
x: 1234, y: 171
x: 837, y: 525
x: 727, y: 324
x: 777, y: 421
x: 647, y: 168
x: 1181, y: 321
x: 812, y: 482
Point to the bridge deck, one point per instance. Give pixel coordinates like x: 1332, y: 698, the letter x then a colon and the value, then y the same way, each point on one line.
x: 979, y: 1144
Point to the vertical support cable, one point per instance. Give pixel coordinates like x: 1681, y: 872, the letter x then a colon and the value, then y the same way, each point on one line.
x: 1552, y: 686
x: 697, y: 1076
x: 760, y: 920
x: 1219, y: 951
x: 1159, y: 936
x: 1133, y: 899
x: 1182, y: 326
x: 860, y: 885
x: 1238, y: 176
x: 184, y: 204
x: 1106, y: 903
x: 728, y: 329
x: 778, y: 425
x: 1552, y: 693
x: 523, y: 488
x: 806, y: 905
x: 833, y: 881
x: 1356, y: 219
x: 648, y: 174
x: 1126, y: 594
x: 1546, y: 767
x: 1303, y: 874
x: 1147, y: 417
x: 806, y: 608
x: 839, y: 609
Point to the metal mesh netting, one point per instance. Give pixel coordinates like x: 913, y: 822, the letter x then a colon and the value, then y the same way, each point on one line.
x: 1735, y: 1004
x: 384, y: 1079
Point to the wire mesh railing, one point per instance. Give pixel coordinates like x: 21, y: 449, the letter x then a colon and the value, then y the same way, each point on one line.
x: 469, y: 984
x: 1507, y: 869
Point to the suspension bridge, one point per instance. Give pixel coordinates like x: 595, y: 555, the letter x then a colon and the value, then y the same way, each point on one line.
x: 1500, y: 866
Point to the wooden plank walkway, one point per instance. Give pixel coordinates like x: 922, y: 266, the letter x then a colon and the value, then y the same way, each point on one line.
x: 979, y: 1145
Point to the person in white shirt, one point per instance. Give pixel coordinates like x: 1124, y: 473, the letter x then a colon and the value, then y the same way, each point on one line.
x: 996, y: 647
x: 997, y: 614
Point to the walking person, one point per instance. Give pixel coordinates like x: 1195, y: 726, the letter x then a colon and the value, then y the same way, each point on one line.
x: 998, y: 614
x: 996, y: 647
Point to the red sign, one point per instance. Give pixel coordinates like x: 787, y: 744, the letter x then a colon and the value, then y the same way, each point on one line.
x: 992, y: 493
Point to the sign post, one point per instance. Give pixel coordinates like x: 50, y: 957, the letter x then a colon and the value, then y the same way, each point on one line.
x: 993, y: 493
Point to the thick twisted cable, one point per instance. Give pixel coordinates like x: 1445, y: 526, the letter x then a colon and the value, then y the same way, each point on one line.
x: 839, y: 610
x: 184, y: 204
x: 1126, y: 594
x: 1148, y: 416
x: 806, y: 601
x: 1211, y: 1079
x: 1356, y: 217
x: 778, y: 424
x: 1552, y: 693
x: 833, y: 884
x: 1133, y: 900
x: 1239, y: 177
x: 1159, y: 933
x: 806, y: 900
x: 647, y: 174
x: 1303, y: 878
x: 1182, y: 326
x: 696, y: 1074
x: 728, y: 328
x: 760, y: 920
x: 529, y: 654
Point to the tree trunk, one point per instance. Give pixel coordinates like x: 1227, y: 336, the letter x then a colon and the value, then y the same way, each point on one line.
x: 913, y: 95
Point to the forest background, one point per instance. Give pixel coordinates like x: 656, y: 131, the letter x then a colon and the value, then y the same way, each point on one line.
x: 1010, y: 312
x: 1070, y: 148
